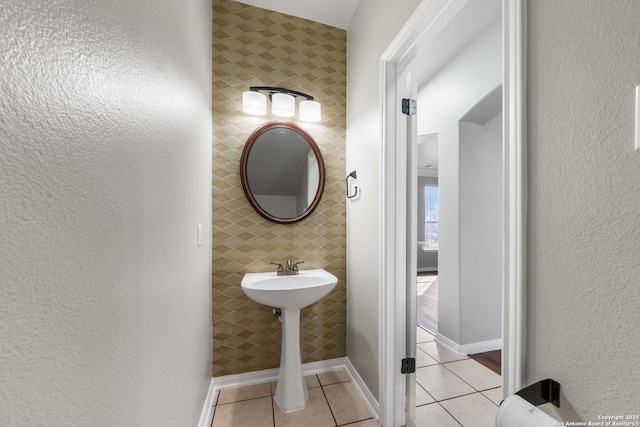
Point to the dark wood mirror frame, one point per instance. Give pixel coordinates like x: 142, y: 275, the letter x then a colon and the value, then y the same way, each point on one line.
x: 244, y: 161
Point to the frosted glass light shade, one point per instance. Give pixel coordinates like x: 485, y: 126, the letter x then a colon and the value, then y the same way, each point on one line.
x: 283, y: 105
x: 310, y: 111
x: 254, y: 103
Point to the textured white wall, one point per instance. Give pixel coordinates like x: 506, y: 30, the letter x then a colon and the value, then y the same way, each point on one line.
x: 373, y: 28
x: 584, y: 197
x: 105, y: 170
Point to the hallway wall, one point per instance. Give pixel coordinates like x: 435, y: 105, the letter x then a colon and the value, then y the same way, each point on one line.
x: 481, y: 234
x: 374, y: 26
x: 105, y: 170
x: 584, y: 199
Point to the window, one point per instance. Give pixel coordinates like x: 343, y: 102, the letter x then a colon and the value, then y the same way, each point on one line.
x: 430, y: 217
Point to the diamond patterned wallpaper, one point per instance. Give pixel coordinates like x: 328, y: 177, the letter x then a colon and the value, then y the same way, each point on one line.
x: 256, y: 47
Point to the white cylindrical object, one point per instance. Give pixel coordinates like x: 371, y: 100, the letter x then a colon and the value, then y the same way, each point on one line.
x: 310, y: 111
x: 283, y: 105
x: 254, y: 103
x: 517, y: 412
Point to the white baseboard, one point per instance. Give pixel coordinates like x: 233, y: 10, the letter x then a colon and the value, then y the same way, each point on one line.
x: 451, y: 345
x: 324, y: 366
x: 207, y: 411
x: 259, y: 377
x: 472, y: 348
x: 362, y: 388
x: 249, y: 378
x: 482, y: 346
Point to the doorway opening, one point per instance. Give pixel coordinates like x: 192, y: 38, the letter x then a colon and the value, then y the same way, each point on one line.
x: 398, y: 232
x: 459, y: 99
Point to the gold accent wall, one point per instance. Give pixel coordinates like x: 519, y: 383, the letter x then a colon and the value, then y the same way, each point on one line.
x: 257, y: 47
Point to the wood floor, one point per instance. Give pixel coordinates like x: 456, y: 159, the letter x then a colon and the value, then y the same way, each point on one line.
x: 427, y: 301
x: 490, y: 359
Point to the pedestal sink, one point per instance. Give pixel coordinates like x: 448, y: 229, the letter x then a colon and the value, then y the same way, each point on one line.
x: 290, y: 294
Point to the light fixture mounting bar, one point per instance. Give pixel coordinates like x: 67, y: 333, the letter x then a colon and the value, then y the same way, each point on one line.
x: 273, y: 90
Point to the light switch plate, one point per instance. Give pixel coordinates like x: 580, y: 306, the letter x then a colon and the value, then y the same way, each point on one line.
x: 637, y: 118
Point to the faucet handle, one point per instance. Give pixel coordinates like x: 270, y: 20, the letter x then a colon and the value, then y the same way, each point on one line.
x: 295, y: 265
x: 280, y: 267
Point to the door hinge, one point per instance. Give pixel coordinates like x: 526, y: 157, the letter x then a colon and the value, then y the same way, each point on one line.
x: 409, y: 106
x: 408, y: 366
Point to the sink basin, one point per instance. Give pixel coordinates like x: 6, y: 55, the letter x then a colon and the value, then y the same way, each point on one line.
x: 288, y: 291
x: 290, y: 294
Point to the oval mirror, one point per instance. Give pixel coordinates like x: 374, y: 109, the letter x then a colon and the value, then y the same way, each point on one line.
x: 282, y: 172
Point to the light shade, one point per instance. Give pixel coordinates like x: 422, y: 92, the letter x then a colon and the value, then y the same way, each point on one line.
x: 283, y: 105
x: 310, y: 111
x: 254, y: 103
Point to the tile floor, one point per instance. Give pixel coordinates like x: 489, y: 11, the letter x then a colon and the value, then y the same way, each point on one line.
x: 333, y: 401
x: 453, y: 390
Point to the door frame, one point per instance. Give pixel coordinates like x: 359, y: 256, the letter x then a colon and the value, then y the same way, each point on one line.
x: 427, y: 21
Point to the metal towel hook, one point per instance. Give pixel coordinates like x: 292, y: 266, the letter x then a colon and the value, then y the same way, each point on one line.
x: 355, y: 189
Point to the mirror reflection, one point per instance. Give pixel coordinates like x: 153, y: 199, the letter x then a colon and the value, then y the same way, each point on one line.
x: 282, y: 172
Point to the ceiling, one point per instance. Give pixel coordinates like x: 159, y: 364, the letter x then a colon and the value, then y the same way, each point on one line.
x: 428, y: 155
x: 469, y: 23
x: 336, y: 13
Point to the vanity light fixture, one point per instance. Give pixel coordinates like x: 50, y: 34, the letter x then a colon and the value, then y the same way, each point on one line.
x: 254, y: 103
x: 310, y: 111
x: 283, y: 103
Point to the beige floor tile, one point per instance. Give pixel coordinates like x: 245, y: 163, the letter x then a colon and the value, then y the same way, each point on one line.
x: 254, y: 413
x: 473, y: 410
x: 476, y: 375
x: 346, y: 403
x: 424, y: 336
x: 367, y: 423
x: 441, y: 383
x: 311, y: 380
x: 423, y: 359
x: 315, y: 414
x: 441, y: 353
x: 333, y: 377
x: 243, y: 393
x: 494, y: 395
x: 433, y: 415
x: 422, y: 397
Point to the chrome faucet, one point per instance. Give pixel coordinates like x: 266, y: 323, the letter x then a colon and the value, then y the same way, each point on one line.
x: 291, y: 270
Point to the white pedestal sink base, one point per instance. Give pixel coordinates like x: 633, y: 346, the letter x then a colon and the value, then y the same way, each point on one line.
x: 291, y: 391
x: 290, y: 293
